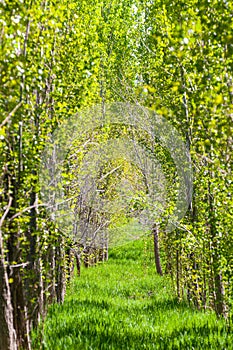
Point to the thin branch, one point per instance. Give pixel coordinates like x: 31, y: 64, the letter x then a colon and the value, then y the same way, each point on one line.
x: 19, y: 265
x: 26, y: 209
x: 6, y: 212
x: 98, y: 229
x: 46, y: 205
x: 109, y: 173
x: 6, y: 120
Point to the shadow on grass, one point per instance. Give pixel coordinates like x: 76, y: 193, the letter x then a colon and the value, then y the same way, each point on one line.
x: 105, y: 338
x: 135, y: 302
x: 89, y: 331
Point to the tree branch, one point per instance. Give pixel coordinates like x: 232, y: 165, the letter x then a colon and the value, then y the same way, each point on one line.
x: 6, y: 212
x: 6, y: 120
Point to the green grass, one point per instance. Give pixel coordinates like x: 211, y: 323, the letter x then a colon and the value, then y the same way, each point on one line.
x: 123, y: 304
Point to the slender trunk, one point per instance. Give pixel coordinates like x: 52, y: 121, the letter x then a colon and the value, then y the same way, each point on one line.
x: 51, y: 273
x: 14, y: 254
x: 7, y: 330
x: 177, y: 273
x: 78, y: 263
x: 155, y: 233
x: 60, y: 271
x: 220, y: 306
x: 32, y: 273
x: 41, y: 299
x: 219, y: 293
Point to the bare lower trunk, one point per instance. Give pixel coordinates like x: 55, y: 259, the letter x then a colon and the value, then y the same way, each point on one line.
x: 41, y: 299
x: 60, y: 271
x: 7, y: 331
x: 220, y: 306
x: 177, y: 274
x: 78, y: 263
x: 155, y: 233
x: 19, y: 308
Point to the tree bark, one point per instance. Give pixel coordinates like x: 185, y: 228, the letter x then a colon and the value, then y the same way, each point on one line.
x: 220, y: 306
x: 7, y: 331
x: 219, y: 293
x: 155, y: 233
x: 60, y: 271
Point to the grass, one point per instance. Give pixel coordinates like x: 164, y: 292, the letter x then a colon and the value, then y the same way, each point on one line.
x: 124, y: 305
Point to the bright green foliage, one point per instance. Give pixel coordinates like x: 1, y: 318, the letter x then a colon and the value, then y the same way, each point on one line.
x: 186, y: 74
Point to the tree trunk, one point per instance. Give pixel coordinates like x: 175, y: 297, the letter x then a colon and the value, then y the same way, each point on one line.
x: 7, y: 331
x: 52, y: 274
x: 177, y: 273
x: 220, y: 306
x: 60, y: 271
x: 155, y: 233
x: 219, y: 297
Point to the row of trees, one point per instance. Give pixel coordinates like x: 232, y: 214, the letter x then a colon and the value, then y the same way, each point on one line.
x: 173, y: 57
x: 196, y: 51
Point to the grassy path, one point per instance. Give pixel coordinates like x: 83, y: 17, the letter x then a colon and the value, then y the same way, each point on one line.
x: 122, y: 304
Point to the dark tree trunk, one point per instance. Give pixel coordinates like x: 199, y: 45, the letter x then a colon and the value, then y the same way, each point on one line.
x: 60, y: 271
x: 78, y: 263
x: 155, y: 233
x: 219, y: 297
x: 177, y: 273
x: 220, y: 306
